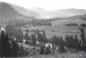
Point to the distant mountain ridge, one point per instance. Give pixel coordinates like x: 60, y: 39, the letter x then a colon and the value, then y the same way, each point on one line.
x: 25, y: 12
x: 59, y: 13
x: 36, y: 16
x: 10, y: 13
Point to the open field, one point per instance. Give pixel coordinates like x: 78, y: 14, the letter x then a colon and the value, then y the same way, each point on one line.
x: 66, y: 55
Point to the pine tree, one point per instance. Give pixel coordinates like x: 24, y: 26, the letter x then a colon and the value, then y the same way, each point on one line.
x: 77, y: 42
x: 27, y: 36
x: 33, y: 39
x: 5, y: 46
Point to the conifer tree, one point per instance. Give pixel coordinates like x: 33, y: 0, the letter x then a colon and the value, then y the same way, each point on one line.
x: 5, y: 46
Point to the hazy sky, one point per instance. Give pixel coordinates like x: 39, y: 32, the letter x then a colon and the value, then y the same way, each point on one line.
x: 49, y: 4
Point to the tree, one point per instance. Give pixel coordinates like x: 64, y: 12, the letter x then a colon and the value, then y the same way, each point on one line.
x: 12, y: 31
x: 33, y: 39
x: 5, y: 46
x: 27, y: 36
x: 76, y: 42
x: 58, y: 41
x: 69, y: 41
x: 82, y: 34
x: 83, y: 39
x: 14, y: 49
x: 54, y: 40
x: 42, y: 37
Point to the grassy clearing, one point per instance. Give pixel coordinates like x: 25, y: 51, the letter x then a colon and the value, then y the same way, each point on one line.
x: 65, y: 55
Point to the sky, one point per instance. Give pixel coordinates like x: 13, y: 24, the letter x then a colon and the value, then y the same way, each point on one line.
x: 49, y: 4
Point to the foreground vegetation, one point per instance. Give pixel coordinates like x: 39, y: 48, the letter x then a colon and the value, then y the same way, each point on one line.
x: 23, y: 45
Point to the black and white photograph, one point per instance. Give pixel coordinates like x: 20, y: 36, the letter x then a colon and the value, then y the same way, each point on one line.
x: 42, y: 28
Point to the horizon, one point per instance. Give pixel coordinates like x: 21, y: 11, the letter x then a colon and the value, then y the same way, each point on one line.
x: 48, y: 4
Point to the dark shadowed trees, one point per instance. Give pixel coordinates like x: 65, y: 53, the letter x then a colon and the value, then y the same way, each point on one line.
x: 5, y: 46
